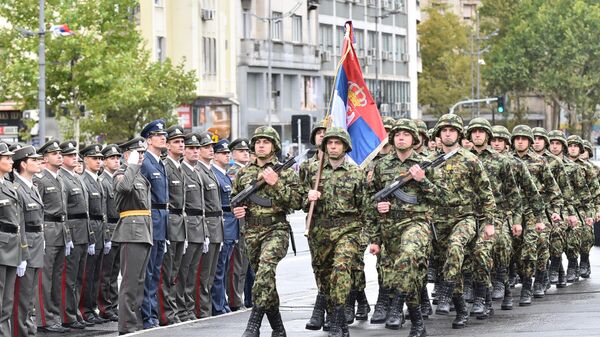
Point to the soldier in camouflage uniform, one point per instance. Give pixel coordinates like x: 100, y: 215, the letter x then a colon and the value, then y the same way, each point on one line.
x: 581, y: 203
x: 431, y: 144
x: 532, y: 250
x: 403, y: 228
x: 422, y: 147
x: 586, y: 232
x: 266, y: 230
x: 466, y: 181
x: 337, y: 224
x: 487, y: 254
x: 554, y: 245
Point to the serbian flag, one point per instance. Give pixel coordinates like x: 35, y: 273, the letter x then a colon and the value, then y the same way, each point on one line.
x: 353, y: 107
x: 62, y: 30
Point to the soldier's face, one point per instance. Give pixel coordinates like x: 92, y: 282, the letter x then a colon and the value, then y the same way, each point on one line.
x: 93, y: 163
x: 431, y: 144
x: 403, y: 140
x: 112, y: 163
x: 319, y: 137
x: 335, y: 148
x: 263, y: 148
x: 176, y: 146
x: 191, y: 154
x: 585, y: 155
x: 32, y: 165
x: 6, y: 164
x: 521, y: 143
x: 158, y: 141
x: 222, y: 158
x: 449, y: 136
x: 574, y: 150
x: 70, y: 161
x: 54, y: 159
x: 478, y: 137
x: 538, y: 144
x: 241, y: 156
x: 556, y: 147
x: 207, y: 152
x: 420, y: 139
x: 498, y: 144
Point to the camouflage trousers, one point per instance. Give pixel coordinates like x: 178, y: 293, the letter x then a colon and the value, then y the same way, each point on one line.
x: 573, y: 242
x: 333, y: 261
x: 557, y: 239
x: 408, y: 246
x: 359, y: 280
x: 586, y: 235
x: 478, y: 259
x: 502, y: 250
x: 265, y: 247
x: 454, y: 235
x: 526, y: 247
x: 543, y: 246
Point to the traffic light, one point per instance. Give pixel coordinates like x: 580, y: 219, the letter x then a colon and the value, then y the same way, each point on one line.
x: 501, y: 102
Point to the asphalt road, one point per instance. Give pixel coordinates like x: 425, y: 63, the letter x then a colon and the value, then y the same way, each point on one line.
x: 572, y: 311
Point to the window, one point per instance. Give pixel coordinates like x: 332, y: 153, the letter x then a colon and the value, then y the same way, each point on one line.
x: 400, y: 6
x: 400, y: 45
x: 210, y: 56
x: 359, y: 42
x: 246, y: 25
x: 296, y: 28
x: 253, y: 87
x: 372, y: 41
x: 158, y: 3
x: 339, y: 39
x: 276, y: 26
x: 309, y: 93
x: 387, y: 42
x: 326, y: 37
x: 161, y: 48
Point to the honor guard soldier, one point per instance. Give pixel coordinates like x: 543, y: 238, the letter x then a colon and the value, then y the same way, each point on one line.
x: 154, y: 170
x: 266, y: 229
x: 133, y: 233
x: 83, y: 237
x: 27, y: 163
x: 241, y: 280
x: 108, y: 293
x: 213, y: 216
x: 230, y: 227
x: 57, y: 238
x: 197, y: 233
x: 175, y: 227
x: 93, y: 157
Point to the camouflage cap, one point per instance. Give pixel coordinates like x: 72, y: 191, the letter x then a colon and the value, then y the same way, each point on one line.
x: 322, y: 124
x: 587, y: 145
x: 575, y: 139
x: 452, y: 120
x: 500, y: 131
x: 422, y: 127
x: 541, y: 132
x: 430, y: 134
x: 523, y: 131
x: 559, y: 136
x: 388, y: 122
x: 479, y: 123
x: 404, y: 124
x: 268, y: 133
x: 337, y: 132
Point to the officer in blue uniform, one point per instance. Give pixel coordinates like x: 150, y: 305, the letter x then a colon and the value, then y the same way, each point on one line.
x: 154, y: 170
x: 230, y: 228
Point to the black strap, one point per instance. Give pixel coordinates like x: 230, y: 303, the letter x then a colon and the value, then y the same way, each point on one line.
x: 226, y: 209
x: 194, y: 212
x: 98, y: 217
x: 160, y: 206
x: 213, y: 214
x: 33, y: 229
x: 81, y: 216
x: 9, y: 229
x: 176, y: 211
x: 112, y: 220
x: 54, y: 218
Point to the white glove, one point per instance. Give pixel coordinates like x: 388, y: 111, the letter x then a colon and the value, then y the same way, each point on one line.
x: 221, y: 247
x: 167, y: 242
x: 134, y: 157
x: 107, y: 247
x: 185, y: 246
x: 68, y: 248
x: 205, y: 245
x: 92, y: 249
x: 21, y: 268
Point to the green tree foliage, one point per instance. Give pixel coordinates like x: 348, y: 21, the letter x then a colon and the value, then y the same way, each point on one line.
x: 104, y: 65
x: 446, y: 76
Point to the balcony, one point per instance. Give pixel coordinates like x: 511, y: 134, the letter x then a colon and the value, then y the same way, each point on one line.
x: 285, y: 54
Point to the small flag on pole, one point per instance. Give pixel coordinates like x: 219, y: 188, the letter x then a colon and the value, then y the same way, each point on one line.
x: 62, y: 30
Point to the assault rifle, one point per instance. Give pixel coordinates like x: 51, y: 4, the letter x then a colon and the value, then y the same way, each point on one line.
x: 394, y: 187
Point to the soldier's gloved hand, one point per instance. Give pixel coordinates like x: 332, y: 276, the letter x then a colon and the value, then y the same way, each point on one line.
x: 314, y: 195
x: 91, y: 249
x: 107, y: 247
x: 383, y: 207
x: 205, y: 245
x: 21, y: 268
x: 239, y: 212
x: 417, y: 172
x: 271, y: 177
x: 555, y: 217
x: 68, y: 248
x: 572, y: 220
x: 374, y: 249
x: 133, y: 158
x: 185, y: 245
x: 488, y: 231
x: 517, y: 230
x: 539, y: 227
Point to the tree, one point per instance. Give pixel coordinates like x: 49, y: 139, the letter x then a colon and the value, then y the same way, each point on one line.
x: 103, y: 66
x: 446, y: 63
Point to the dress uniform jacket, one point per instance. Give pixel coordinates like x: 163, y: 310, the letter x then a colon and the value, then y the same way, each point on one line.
x: 194, y: 205
x: 77, y: 208
x: 52, y: 192
x: 97, y: 209
x: 175, y: 225
x: 112, y: 215
x: 212, y: 203
x: 156, y: 174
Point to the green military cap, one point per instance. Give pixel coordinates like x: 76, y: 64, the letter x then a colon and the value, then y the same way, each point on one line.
x: 205, y: 139
x: 337, y: 132
x: 4, y: 151
x: 479, y: 123
x: 50, y: 146
x: 268, y: 133
x: 452, y: 120
x: 137, y: 143
x: 175, y: 131
x: 559, y: 136
x: 25, y: 152
x: 191, y: 139
x: 68, y: 147
x: 523, y: 131
x: 239, y: 144
x: 111, y: 150
x: 94, y: 150
x: 404, y: 124
x: 321, y: 125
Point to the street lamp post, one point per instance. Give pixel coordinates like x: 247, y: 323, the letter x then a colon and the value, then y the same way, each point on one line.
x: 42, y: 76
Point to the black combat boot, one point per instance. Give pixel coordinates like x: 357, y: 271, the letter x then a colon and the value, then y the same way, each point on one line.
x: 525, y: 292
x: 254, y: 322
x: 362, y: 307
x: 381, y: 307
x: 547, y: 284
x: 498, y: 284
x: 468, y: 287
x: 562, y: 278
x: 431, y: 272
x: 507, y: 301
x: 339, y: 327
x: 538, y: 284
x: 553, y: 272
x: 417, y: 328
x: 444, y: 294
x: 426, y: 309
x: 462, y: 314
x: 512, y: 275
x: 488, y: 306
x: 318, y: 315
x: 395, y: 317
x: 572, y: 270
x: 584, y: 266
x: 478, y: 299
x: 349, y: 307
x: 274, y: 317
x: 435, y: 291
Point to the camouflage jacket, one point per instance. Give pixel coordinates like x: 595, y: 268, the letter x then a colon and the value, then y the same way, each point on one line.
x: 384, y: 173
x: 530, y: 195
x: 286, y: 194
x: 542, y: 176
x: 592, y: 181
x: 233, y: 170
x: 583, y: 198
x: 468, y: 187
x: 502, y: 179
x: 557, y: 168
x: 303, y: 169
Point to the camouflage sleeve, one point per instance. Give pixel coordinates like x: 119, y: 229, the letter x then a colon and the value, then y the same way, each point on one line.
x: 288, y: 191
x: 435, y: 193
x: 511, y: 190
x: 551, y: 190
x: 593, y: 185
x: 583, y: 198
x: 531, y: 193
x: 566, y: 190
x: 373, y: 227
x: 483, y: 191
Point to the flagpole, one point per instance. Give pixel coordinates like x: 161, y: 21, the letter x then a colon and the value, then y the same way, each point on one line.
x: 321, y: 154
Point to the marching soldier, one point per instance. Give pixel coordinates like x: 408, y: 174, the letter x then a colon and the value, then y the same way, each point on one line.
x: 57, y: 239
x: 27, y: 163
x: 154, y: 171
x: 266, y: 230
x: 422, y: 146
x: 175, y: 227
x: 83, y: 237
x: 133, y: 233
x: 213, y: 217
x: 108, y: 295
x: 242, y: 278
x: 197, y: 233
x: 93, y: 157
